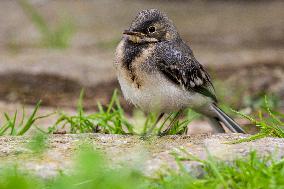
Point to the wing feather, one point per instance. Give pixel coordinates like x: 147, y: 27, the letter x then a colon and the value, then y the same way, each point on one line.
x: 183, y: 69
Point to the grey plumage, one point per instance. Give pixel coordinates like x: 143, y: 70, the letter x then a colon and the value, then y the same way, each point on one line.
x: 157, y: 71
x: 177, y: 62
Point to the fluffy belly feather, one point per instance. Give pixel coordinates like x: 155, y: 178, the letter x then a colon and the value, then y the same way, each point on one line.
x: 157, y: 94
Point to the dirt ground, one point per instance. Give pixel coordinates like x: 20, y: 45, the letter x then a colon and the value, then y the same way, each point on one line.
x: 151, y: 156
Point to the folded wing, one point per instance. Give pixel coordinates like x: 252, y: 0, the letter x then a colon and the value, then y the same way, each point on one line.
x: 183, y: 69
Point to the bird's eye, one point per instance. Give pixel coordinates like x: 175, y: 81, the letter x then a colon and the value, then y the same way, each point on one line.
x: 151, y: 29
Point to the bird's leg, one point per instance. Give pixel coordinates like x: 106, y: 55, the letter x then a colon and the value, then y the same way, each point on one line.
x: 156, y: 122
x: 172, y: 123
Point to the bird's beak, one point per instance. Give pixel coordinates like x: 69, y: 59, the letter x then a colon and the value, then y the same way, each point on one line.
x: 138, y: 37
x: 127, y: 32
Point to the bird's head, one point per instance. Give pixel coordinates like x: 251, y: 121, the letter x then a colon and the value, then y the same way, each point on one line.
x: 151, y: 26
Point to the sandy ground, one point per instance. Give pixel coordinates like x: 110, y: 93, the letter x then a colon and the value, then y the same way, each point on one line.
x: 150, y: 156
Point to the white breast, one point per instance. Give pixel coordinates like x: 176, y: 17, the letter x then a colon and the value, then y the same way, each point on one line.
x: 159, y: 95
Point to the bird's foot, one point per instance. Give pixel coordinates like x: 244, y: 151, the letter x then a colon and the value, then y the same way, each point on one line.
x: 164, y: 133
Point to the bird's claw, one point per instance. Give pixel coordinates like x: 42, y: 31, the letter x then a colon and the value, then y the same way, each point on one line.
x: 164, y: 133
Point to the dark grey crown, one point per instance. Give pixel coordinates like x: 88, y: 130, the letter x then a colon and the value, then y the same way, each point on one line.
x: 145, y: 17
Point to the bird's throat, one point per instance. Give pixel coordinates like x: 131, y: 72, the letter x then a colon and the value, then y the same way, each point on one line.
x: 134, y: 58
x: 131, y: 52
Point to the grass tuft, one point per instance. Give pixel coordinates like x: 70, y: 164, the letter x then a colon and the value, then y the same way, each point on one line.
x: 270, y: 123
x: 109, y: 120
x: 251, y: 172
x: 14, y: 127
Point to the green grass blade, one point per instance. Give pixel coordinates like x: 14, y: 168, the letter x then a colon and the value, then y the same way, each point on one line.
x: 13, y: 124
x: 4, y: 129
x: 30, y: 121
x: 35, y: 17
x: 112, y: 101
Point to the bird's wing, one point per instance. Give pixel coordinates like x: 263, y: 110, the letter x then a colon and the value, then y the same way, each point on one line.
x: 183, y: 69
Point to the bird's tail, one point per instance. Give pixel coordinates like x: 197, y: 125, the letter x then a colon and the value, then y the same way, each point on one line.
x: 228, y: 122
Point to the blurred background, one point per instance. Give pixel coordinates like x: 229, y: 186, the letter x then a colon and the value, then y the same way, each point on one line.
x: 51, y: 49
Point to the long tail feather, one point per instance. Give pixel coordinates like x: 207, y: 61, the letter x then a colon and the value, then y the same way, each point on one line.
x: 228, y: 122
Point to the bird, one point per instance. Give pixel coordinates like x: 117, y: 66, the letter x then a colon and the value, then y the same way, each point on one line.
x: 158, y: 72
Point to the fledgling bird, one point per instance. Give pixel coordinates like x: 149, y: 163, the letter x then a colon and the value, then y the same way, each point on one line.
x: 158, y: 72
